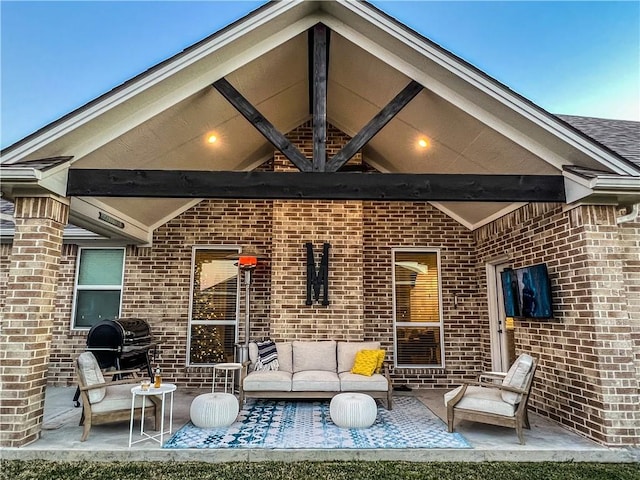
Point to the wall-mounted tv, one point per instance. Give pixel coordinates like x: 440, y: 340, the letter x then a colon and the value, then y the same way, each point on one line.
x: 527, y: 292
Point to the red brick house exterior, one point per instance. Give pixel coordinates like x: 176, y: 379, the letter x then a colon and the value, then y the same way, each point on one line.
x: 589, y: 352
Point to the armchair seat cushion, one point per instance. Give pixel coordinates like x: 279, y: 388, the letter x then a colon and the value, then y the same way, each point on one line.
x: 315, y: 381
x: 482, y: 399
x: 268, y: 380
x: 352, y: 382
x: 118, y: 397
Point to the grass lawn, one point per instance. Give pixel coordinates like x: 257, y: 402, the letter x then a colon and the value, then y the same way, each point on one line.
x: 45, y: 470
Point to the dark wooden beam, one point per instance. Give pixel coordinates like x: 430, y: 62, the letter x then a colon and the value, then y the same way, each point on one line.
x: 376, y: 124
x: 319, y: 80
x: 315, y: 185
x: 263, y: 125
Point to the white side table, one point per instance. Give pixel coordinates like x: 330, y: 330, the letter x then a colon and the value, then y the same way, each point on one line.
x: 229, y: 370
x: 160, y: 392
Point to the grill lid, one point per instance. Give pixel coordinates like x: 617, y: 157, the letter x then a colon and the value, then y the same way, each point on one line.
x: 115, y: 334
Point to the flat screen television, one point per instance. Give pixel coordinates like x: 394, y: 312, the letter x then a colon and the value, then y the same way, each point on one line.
x: 527, y: 292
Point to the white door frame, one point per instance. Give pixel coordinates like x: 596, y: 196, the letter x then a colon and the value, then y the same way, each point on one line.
x: 497, y: 316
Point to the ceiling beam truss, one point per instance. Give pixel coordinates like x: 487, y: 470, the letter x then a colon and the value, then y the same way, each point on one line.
x: 315, y: 185
x: 264, y: 126
x: 376, y: 124
x: 320, y: 74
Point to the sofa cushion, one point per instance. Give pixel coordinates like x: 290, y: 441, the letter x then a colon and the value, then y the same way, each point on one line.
x: 314, y: 356
x: 351, y: 382
x: 517, y: 377
x: 365, y: 363
x: 482, y: 399
x: 315, y: 381
x: 285, y: 356
x: 273, y: 380
x: 347, y: 353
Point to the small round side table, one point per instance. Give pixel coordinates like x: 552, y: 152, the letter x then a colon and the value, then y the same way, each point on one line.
x: 159, y: 392
x: 229, y: 370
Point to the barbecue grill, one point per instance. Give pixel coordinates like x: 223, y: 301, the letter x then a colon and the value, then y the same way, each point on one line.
x: 122, y: 344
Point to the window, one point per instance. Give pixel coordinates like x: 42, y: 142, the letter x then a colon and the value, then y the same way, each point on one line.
x: 98, y: 292
x: 214, y: 306
x: 417, y: 313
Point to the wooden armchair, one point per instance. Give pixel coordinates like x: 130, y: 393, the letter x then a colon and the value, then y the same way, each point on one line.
x: 497, y: 398
x: 107, y: 401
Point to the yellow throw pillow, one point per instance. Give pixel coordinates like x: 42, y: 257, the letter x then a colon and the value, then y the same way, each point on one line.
x: 381, y: 355
x: 365, y: 362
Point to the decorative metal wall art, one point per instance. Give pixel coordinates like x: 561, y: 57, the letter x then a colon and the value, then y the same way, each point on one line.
x: 317, y: 281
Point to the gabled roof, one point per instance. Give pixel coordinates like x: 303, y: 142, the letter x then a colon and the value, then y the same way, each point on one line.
x: 621, y: 136
x: 159, y: 119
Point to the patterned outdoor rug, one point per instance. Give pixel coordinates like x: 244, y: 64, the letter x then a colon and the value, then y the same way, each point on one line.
x: 307, y: 424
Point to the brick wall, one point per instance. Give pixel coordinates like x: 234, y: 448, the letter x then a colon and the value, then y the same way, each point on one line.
x: 629, y: 235
x: 27, y: 316
x: 65, y: 343
x: 158, y: 279
x: 333, y: 222
x: 589, y: 353
x: 5, y: 261
x: 406, y: 224
x: 586, y: 379
x: 337, y: 223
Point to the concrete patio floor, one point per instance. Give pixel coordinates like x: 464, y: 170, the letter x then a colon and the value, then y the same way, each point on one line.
x: 546, y: 441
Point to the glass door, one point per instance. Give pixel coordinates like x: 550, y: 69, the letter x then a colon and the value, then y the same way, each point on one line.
x: 502, y: 327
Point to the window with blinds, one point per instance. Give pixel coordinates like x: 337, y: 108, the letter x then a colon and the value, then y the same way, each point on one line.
x: 98, y: 288
x: 417, y: 313
x: 214, y: 306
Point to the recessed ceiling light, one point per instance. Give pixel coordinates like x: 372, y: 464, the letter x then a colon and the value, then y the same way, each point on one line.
x: 212, y: 138
x: 423, y: 143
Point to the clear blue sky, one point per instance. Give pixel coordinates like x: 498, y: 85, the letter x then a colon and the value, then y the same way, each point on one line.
x: 579, y: 58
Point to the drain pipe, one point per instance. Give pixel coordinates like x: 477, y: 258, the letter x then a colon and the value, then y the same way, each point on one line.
x: 629, y: 217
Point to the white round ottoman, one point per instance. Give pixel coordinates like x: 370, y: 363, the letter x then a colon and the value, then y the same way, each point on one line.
x: 353, y: 410
x: 212, y: 410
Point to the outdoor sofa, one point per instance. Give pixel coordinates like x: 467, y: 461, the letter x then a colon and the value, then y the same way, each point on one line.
x: 308, y: 369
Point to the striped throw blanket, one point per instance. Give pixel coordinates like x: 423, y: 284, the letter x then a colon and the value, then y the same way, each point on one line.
x: 267, y: 355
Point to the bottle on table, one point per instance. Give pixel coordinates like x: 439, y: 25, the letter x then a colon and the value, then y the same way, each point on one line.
x: 157, y: 379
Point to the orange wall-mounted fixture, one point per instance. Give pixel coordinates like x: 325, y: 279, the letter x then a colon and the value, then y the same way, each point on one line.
x: 247, y: 261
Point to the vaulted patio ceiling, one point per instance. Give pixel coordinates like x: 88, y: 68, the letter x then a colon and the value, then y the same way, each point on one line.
x: 161, y: 119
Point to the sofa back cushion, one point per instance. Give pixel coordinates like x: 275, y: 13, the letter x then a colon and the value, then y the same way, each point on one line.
x: 285, y: 356
x: 314, y: 356
x: 285, y: 360
x: 347, y: 353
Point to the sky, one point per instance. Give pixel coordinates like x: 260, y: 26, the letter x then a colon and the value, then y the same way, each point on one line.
x: 571, y: 57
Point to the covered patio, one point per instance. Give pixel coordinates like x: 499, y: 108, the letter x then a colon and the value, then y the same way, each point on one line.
x: 326, y: 123
x: 546, y: 441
